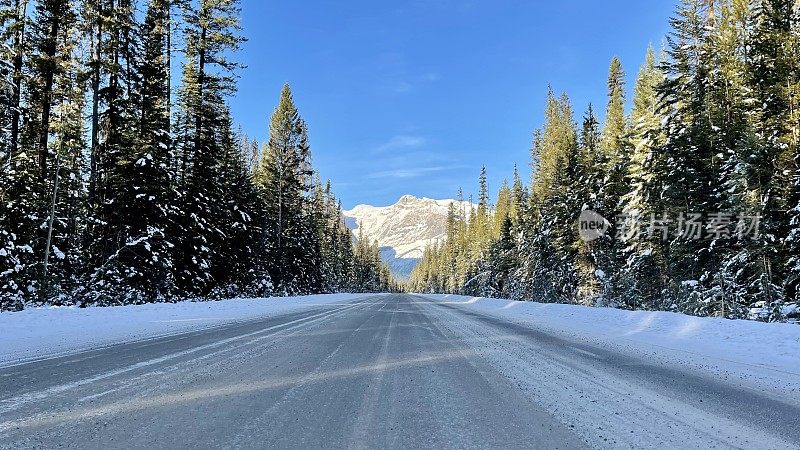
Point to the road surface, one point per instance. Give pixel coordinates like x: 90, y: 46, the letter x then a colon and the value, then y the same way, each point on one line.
x: 387, y: 371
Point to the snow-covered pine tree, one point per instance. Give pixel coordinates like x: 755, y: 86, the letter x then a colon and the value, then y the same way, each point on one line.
x: 500, y: 261
x: 31, y: 167
x: 284, y: 178
x: 329, y: 241
x: 643, y: 276
x: 13, y: 165
x: 450, y: 250
x: 589, y: 177
x: 347, y: 256
x: 66, y: 262
x: 505, y: 258
x: 361, y: 269
x: 773, y: 75
x: 729, y: 105
x: 336, y: 244
x: 211, y: 34
x: 519, y: 198
x: 614, y: 149
x: 149, y: 192
x: 322, y: 216
x: 792, y: 284
x: 691, y: 171
x: 548, y: 249
x: 519, y: 205
x: 238, y: 268
x: 129, y: 188
x: 14, y: 21
x: 131, y: 185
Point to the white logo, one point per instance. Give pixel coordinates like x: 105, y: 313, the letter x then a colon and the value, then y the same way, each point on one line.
x: 592, y: 225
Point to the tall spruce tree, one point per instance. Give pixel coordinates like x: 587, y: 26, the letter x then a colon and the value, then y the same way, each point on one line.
x: 691, y: 169
x: 615, y: 154
x: 589, y: 184
x: 66, y: 260
x: 548, y: 248
x: 284, y: 178
x: 774, y: 77
x: 211, y: 34
x: 793, y: 239
x: 13, y: 23
x: 32, y: 168
x: 131, y: 189
x: 643, y: 275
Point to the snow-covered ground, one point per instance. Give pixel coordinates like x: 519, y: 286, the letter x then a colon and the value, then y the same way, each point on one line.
x: 618, y: 379
x: 49, y: 331
x: 763, y: 355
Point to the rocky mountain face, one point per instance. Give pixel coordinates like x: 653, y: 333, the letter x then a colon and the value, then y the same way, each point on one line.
x: 404, y: 229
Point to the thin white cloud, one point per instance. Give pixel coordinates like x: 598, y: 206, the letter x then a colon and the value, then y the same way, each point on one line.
x: 412, y: 83
x: 401, y: 141
x: 414, y: 172
x: 403, y: 87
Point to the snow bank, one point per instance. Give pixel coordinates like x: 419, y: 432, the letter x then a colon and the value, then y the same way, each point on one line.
x: 48, y: 331
x: 750, y: 349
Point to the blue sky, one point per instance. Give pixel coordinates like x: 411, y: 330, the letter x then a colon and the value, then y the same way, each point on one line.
x: 413, y: 97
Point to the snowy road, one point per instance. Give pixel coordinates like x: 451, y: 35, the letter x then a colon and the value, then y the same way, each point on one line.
x: 394, y: 371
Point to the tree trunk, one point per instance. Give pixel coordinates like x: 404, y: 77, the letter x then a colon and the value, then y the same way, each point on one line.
x: 198, y: 114
x: 47, y: 94
x: 168, y: 25
x: 97, y: 41
x: 19, y: 50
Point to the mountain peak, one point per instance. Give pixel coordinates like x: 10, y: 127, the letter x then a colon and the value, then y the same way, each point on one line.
x: 408, y: 198
x: 403, y: 230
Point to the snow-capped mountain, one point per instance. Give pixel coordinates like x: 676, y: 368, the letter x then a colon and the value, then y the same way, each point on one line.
x: 404, y: 229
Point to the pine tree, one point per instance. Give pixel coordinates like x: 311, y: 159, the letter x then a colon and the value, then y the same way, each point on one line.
x: 131, y: 157
x: 208, y: 77
x: 28, y: 182
x: 691, y: 169
x: 615, y: 155
x: 519, y: 198
x: 148, y: 170
x: 502, y: 260
x: 15, y: 180
x: 644, y: 273
x: 320, y: 217
x: 548, y: 243
x: 481, y: 224
x: 346, y: 260
x: 502, y: 208
x: 238, y: 268
x: 774, y: 77
x: 732, y: 134
x: 589, y: 178
x: 793, y: 238
x: 13, y: 24
x: 67, y: 259
x: 284, y: 176
x: 613, y: 143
